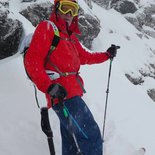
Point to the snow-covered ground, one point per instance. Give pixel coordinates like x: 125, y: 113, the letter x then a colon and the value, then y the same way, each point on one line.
x: 130, y: 114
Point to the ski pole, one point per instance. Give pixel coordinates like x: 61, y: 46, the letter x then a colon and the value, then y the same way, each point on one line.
x: 73, y: 135
x: 46, y: 128
x: 107, y: 91
x: 106, y: 103
x: 67, y: 115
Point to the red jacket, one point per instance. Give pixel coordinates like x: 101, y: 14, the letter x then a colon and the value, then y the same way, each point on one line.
x: 68, y: 56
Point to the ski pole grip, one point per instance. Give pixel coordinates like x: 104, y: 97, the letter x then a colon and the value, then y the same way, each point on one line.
x: 117, y: 47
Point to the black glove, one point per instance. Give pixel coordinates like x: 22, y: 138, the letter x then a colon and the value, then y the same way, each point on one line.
x: 57, y: 91
x: 112, y: 51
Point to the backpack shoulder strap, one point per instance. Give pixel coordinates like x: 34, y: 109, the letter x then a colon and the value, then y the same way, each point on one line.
x: 55, y: 41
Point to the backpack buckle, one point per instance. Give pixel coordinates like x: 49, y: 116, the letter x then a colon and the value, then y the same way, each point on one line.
x: 66, y: 74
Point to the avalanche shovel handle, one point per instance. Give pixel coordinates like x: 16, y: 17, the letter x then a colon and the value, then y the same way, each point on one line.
x: 46, y: 128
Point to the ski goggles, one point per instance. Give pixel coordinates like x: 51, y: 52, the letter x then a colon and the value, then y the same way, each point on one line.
x: 68, y: 6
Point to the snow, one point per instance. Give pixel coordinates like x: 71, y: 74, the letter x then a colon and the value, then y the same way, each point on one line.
x: 130, y: 114
x: 148, y: 28
x: 147, y: 2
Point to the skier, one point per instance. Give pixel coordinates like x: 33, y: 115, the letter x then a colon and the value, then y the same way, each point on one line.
x: 78, y: 128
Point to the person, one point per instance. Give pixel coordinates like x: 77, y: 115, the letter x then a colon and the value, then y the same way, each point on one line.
x: 79, y: 130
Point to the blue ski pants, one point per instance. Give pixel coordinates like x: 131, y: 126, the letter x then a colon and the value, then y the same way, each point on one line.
x: 78, y: 128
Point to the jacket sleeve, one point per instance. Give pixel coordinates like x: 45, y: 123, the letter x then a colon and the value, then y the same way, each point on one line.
x: 90, y: 58
x: 35, y: 56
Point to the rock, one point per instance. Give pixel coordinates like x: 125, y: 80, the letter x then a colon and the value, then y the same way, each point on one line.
x: 124, y: 6
x: 10, y: 34
x: 149, y: 11
x: 133, y: 20
x: 90, y: 28
x: 151, y: 93
x: 134, y: 80
x: 89, y: 3
x: 149, y: 31
x: 102, y: 3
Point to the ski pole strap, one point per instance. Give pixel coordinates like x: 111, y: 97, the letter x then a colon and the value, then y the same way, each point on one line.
x: 52, y: 48
x: 35, y: 91
x: 77, y: 78
x: 80, y: 83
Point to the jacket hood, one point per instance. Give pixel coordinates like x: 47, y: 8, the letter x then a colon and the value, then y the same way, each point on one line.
x: 62, y: 25
x: 55, y: 1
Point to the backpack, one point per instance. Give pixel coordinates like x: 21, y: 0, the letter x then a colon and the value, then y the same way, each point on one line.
x: 27, y: 40
x: 26, y: 43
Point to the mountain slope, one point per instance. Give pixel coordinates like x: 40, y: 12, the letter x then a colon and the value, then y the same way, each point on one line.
x: 129, y: 124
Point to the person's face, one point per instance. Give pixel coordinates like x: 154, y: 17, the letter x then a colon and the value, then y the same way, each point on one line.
x: 66, y: 17
x: 67, y: 10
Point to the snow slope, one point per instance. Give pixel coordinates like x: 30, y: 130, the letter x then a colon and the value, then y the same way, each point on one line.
x: 130, y: 115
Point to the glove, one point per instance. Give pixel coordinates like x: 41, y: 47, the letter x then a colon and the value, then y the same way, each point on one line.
x: 112, y: 51
x: 57, y: 91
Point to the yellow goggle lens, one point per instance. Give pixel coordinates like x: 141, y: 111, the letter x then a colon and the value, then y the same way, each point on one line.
x: 68, y: 6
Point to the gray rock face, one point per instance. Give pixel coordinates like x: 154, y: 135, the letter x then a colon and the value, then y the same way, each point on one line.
x: 144, y: 74
x: 89, y: 26
x: 133, y: 20
x: 10, y: 34
x: 151, y: 93
x: 136, y: 80
x: 149, y: 31
x: 103, y: 3
x: 149, y: 15
x: 37, y: 12
x: 124, y: 6
x: 146, y: 16
x: 89, y: 3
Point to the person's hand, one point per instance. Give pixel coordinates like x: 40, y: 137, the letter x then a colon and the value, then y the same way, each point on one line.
x: 112, y: 51
x: 57, y: 91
